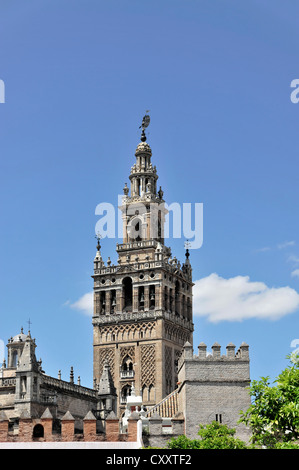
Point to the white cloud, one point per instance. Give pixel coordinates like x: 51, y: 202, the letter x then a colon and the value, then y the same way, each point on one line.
x: 262, y: 250
x: 281, y: 246
x: 293, y: 259
x: 295, y: 273
x: 84, y: 304
x: 238, y: 299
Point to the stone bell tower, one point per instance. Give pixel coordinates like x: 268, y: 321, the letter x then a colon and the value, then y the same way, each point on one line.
x: 143, y: 305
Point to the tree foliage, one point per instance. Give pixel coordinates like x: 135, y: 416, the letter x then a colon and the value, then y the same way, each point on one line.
x: 213, y: 436
x: 274, y: 414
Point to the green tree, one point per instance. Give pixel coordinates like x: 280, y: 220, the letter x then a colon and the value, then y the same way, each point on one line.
x: 213, y: 436
x: 274, y: 413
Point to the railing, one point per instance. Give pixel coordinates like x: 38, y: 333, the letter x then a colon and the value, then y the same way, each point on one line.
x: 139, y: 266
x: 124, y: 374
x: 68, y: 386
x: 167, y: 407
x: 7, y: 381
x: 52, y: 399
x: 150, y: 314
x: 136, y: 244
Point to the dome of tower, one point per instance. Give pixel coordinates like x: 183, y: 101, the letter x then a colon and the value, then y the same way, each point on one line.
x: 20, y: 337
x: 143, y: 147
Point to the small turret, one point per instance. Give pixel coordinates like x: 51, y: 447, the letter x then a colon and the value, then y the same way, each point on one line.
x: 98, y: 260
x: 106, y: 391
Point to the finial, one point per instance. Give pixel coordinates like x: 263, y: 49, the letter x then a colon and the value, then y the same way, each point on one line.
x: 72, y: 375
x: 29, y: 323
x: 98, y: 237
x: 160, y: 193
x: 187, y: 246
x: 144, y: 125
x: 126, y: 190
x: 143, y: 136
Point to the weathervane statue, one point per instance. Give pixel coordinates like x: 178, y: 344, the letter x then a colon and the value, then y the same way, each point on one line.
x: 144, y: 125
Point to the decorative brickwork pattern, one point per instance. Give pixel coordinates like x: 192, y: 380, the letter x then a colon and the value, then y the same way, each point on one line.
x: 148, y: 365
x: 168, y: 368
x: 107, y: 355
x: 176, y: 334
x: 127, y: 332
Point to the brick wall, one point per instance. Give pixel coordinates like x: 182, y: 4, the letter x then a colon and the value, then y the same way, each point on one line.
x: 89, y: 434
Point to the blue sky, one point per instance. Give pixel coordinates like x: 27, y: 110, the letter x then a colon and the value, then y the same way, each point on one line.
x: 216, y: 78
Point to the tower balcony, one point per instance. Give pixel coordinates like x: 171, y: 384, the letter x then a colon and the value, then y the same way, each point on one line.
x: 127, y: 374
x: 133, y: 245
x: 142, y: 315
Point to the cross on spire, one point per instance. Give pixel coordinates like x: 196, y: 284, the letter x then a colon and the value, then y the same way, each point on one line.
x: 29, y: 323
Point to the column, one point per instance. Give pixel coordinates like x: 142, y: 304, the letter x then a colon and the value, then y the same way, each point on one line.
x: 107, y: 300
x: 146, y: 298
x: 135, y: 299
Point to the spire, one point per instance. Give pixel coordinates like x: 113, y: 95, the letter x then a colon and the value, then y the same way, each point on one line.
x: 98, y: 260
x: 72, y: 375
x: 187, y: 246
x: 143, y: 174
x: 186, y: 268
x: 147, y: 220
x: 98, y: 237
x: 106, y: 385
x: 27, y: 360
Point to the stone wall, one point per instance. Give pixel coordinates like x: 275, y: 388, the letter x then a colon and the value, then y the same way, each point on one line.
x: 158, y: 431
x: 214, y: 388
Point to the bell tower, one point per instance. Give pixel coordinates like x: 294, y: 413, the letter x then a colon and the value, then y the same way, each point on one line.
x: 143, y: 305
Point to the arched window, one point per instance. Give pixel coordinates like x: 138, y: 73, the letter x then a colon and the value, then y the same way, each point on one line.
x: 14, y: 358
x: 135, y: 229
x: 151, y: 393
x: 152, y: 296
x: 127, y: 293
x: 144, y: 393
x: 112, y: 301
x: 102, y: 303
x: 125, y: 392
x: 141, y: 297
x: 127, y: 367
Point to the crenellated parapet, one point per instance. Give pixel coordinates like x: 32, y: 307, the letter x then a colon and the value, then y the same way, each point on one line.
x: 232, y: 367
x: 242, y: 354
x: 214, y: 386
